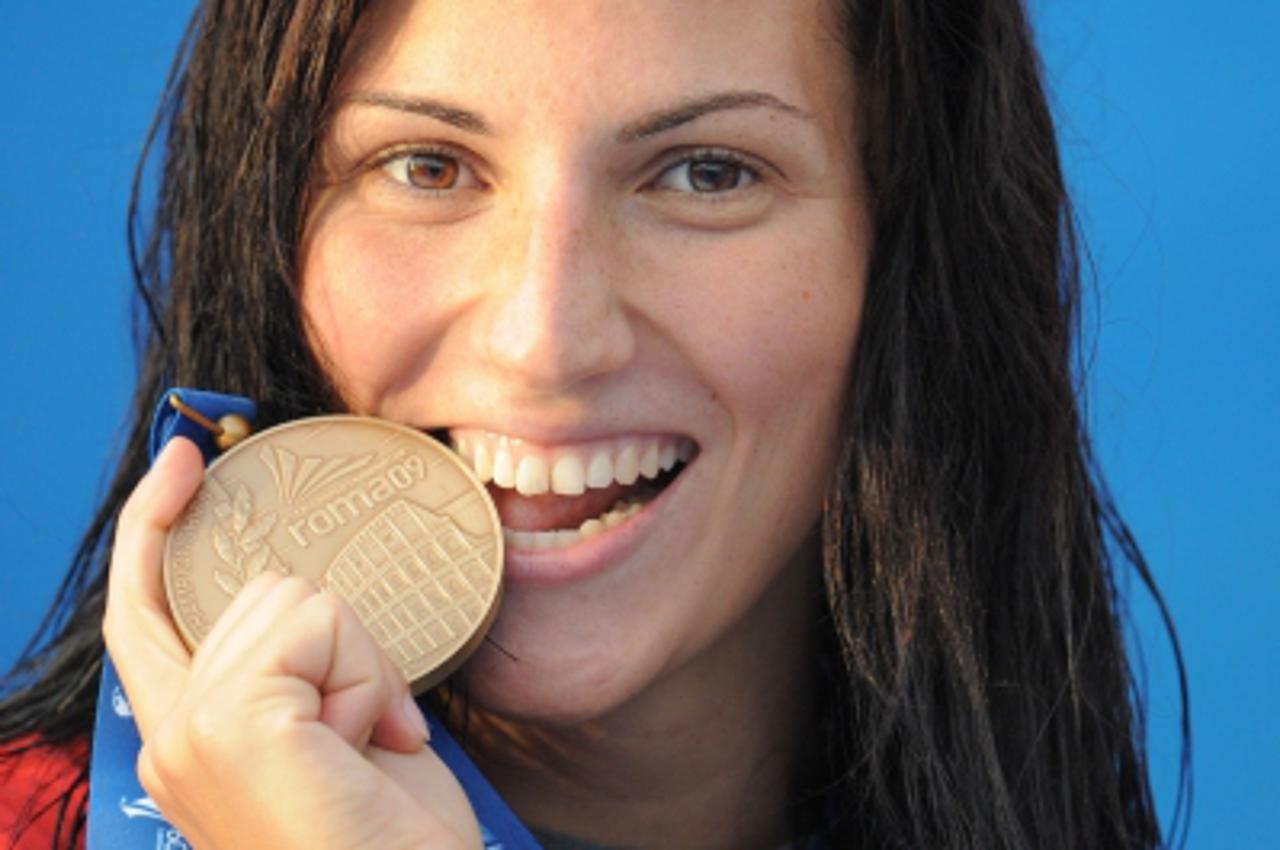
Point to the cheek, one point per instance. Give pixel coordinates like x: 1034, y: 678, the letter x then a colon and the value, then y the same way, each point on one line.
x: 770, y: 321
x: 365, y: 300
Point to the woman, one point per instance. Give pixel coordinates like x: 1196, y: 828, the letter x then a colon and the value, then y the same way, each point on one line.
x: 822, y: 249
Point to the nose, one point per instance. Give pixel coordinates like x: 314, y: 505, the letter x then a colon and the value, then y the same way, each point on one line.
x: 554, y: 313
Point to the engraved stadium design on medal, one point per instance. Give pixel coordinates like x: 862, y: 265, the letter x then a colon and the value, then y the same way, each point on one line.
x: 380, y: 514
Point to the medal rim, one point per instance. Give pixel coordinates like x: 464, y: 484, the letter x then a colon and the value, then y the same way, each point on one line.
x: 447, y: 665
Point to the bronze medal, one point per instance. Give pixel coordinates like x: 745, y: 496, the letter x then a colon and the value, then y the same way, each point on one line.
x: 377, y: 512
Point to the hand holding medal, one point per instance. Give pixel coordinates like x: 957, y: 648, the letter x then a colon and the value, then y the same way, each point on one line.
x: 377, y: 512
x: 263, y: 681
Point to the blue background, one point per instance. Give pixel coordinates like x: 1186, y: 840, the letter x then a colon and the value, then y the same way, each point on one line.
x: 1170, y: 116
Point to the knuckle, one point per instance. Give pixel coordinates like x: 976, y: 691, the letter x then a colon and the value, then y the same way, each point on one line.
x: 385, y: 687
x: 163, y: 759
x: 328, y: 608
x: 298, y: 585
x: 128, y: 513
x: 279, y: 727
x: 132, y: 513
x: 152, y: 773
x: 205, y: 732
x: 120, y: 544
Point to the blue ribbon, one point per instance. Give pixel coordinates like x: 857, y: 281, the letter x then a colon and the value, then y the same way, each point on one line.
x: 167, y: 422
x: 121, y: 815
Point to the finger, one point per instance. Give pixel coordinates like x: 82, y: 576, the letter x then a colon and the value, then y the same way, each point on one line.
x: 253, y: 613
x: 324, y: 644
x: 402, y: 728
x: 137, y: 627
x: 241, y: 606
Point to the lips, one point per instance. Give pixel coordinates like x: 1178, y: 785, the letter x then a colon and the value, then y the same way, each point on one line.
x: 552, y: 497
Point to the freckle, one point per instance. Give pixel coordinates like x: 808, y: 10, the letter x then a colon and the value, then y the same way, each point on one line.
x: 804, y: 295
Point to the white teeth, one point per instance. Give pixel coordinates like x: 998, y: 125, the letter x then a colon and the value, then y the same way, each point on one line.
x: 504, y: 468
x: 566, y: 470
x: 568, y: 478
x: 649, y: 461
x: 531, y: 476
x: 532, y: 541
x: 600, y: 470
x: 627, y: 468
x: 667, y: 457
x: 481, y: 462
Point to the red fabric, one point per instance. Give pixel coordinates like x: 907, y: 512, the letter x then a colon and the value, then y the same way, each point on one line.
x: 33, y: 779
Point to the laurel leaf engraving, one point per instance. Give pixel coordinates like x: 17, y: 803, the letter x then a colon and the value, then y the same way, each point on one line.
x: 274, y: 563
x: 256, y: 563
x: 241, y: 507
x: 229, y: 583
x: 222, y: 510
x: 224, y: 547
x: 257, y: 529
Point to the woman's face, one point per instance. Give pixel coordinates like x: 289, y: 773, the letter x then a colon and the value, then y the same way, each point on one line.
x: 590, y: 244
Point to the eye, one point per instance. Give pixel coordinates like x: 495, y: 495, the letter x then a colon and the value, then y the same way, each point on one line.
x: 707, y: 173
x: 429, y: 171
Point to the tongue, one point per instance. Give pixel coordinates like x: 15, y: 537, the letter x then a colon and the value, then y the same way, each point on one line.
x: 549, y: 512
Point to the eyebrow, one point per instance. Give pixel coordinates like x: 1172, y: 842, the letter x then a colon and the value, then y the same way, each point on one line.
x: 649, y: 125
x: 691, y: 110
x: 463, y: 119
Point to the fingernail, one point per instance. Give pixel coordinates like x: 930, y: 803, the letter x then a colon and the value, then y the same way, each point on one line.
x: 414, y: 714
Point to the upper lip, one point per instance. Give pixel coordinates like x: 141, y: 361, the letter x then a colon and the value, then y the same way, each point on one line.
x: 567, y: 441
x: 554, y: 436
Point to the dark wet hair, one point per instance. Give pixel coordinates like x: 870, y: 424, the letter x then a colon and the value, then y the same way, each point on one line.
x: 978, y: 690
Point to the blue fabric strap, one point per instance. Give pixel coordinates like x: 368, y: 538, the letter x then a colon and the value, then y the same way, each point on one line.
x: 121, y: 815
x: 167, y: 422
x: 499, y: 827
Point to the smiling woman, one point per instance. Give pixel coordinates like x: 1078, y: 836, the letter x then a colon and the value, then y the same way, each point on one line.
x: 756, y: 318
x: 575, y: 289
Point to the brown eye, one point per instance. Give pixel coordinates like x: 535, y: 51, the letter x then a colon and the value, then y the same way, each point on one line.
x: 431, y: 171
x: 707, y: 174
x: 713, y: 176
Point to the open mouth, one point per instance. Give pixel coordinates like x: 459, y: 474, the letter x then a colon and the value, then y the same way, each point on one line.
x: 554, y: 497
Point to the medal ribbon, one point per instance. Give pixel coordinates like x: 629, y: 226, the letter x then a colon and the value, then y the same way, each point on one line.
x: 121, y: 815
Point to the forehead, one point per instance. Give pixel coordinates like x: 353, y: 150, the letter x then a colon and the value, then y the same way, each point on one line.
x: 521, y: 61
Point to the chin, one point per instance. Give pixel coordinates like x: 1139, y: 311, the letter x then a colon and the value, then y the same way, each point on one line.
x: 546, y: 691
x: 549, y: 661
